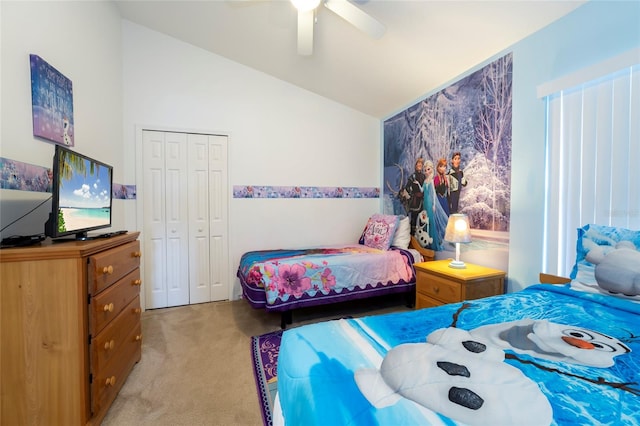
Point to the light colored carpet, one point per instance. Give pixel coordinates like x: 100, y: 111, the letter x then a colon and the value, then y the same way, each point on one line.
x: 196, y: 362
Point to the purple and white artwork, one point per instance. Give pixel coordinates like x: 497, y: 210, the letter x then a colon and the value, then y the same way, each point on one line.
x: 52, y: 103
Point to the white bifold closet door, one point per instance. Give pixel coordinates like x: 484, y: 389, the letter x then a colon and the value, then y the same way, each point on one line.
x: 185, y: 234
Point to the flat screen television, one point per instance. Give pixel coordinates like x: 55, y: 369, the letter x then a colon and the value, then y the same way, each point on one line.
x: 81, y: 195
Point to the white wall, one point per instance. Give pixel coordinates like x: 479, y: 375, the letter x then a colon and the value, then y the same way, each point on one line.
x: 82, y: 41
x: 279, y: 135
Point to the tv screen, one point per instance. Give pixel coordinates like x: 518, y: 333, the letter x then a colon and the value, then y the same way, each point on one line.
x: 81, y: 199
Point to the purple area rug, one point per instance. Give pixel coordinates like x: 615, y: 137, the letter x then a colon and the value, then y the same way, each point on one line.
x: 264, y: 353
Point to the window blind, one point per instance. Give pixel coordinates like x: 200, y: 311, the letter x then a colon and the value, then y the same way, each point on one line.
x: 592, y: 162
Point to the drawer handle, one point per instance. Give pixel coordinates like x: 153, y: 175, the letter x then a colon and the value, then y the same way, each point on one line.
x: 107, y: 270
x: 138, y: 337
x: 111, y: 381
x: 137, y: 310
x: 436, y: 289
x: 137, y: 254
x: 109, y: 345
x: 108, y: 308
x: 137, y: 282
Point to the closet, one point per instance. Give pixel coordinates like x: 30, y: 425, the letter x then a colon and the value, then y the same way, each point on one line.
x: 185, y: 224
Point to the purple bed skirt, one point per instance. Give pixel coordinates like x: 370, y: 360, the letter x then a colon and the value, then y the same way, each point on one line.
x: 256, y: 296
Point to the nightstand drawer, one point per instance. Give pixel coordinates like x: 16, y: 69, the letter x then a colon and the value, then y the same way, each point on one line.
x: 439, y: 288
x: 423, y: 301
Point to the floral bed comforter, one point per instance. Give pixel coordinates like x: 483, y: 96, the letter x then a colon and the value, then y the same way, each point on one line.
x: 282, y: 279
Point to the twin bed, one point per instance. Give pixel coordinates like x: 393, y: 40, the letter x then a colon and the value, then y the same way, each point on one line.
x: 380, y: 264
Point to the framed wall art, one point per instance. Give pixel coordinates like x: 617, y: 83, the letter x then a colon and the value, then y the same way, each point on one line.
x: 52, y: 103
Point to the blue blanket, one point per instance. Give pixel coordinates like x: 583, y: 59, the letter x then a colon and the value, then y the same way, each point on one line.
x: 545, y: 355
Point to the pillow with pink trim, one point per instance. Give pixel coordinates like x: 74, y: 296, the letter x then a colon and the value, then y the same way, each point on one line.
x: 379, y: 231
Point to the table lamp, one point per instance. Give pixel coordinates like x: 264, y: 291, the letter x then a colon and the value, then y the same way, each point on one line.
x: 457, y: 232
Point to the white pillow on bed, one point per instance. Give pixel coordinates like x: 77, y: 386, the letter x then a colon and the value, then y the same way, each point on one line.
x: 402, y: 238
x: 604, y: 238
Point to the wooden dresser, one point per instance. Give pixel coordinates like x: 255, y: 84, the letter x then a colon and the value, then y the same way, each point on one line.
x: 438, y: 284
x: 70, y: 329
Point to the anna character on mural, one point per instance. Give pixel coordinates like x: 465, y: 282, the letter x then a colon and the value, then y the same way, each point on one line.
x: 437, y: 216
x: 441, y: 184
x: 456, y: 182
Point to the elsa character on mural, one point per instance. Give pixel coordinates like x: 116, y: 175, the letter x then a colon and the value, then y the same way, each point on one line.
x: 437, y: 216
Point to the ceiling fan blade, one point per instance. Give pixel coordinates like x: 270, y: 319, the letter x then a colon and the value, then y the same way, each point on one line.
x: 305, y: 32
x: 356, y: 17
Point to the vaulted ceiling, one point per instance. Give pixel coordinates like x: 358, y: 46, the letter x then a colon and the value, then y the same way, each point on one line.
x: 427, y: 43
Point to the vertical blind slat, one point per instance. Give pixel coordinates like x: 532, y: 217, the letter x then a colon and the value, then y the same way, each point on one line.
x: 593, y: 148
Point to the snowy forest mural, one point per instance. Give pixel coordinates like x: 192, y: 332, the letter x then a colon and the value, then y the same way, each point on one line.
x: 473, y: 117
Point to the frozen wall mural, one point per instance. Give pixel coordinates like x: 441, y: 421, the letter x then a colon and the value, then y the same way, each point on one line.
x: 471, y: 117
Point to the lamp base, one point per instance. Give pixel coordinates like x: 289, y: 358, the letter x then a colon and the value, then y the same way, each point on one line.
x: 457, y: 264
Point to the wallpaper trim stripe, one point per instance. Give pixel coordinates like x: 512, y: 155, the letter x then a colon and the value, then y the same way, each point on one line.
x: 21, y: 176
x: 30, y: 177
x: 254, y: 191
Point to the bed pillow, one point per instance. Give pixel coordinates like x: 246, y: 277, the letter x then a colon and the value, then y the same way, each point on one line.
x: 402, y: 238
x: 605, y: 238
x: 590, y: 236
x: 379, y: 231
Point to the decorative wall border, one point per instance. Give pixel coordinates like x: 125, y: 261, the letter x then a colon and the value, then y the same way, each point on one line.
x: 254, y: 191
x: 21, y: 176
x: 29, y: 177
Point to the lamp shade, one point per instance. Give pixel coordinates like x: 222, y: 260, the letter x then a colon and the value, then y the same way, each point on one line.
x: 458, y: 230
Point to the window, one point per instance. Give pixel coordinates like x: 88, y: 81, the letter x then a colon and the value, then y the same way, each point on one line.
x: 592, y: 160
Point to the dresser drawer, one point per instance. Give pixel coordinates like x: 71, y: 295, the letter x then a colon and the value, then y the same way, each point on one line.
x: 109, y: 266
x: 107, y: 381
x: 108, y: 304
x: 108, y: 343
x: 437, y: 287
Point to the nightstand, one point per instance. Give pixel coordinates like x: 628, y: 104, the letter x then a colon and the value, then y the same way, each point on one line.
x: 438, y: 284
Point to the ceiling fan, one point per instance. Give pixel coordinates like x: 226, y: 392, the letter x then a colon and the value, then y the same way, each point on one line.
x: 343, y: 8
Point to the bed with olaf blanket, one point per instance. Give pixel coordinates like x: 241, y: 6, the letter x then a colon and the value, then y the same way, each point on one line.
x: 548, y: 354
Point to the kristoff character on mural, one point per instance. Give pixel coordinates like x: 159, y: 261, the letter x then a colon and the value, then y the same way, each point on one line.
x: 414, y: 193
x: 456, y: 182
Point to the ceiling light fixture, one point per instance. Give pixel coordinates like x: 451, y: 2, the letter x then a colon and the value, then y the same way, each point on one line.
x: 305, y: 5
